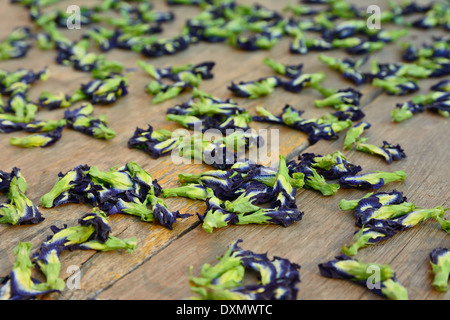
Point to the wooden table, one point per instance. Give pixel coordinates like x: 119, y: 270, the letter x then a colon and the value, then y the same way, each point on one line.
x: 159, y: 267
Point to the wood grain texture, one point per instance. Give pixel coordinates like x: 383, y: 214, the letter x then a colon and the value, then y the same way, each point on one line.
x: 158, y: 269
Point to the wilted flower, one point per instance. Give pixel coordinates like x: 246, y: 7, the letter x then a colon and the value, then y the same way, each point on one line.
x: 290, y: 71
x: 347, y: 67
x: 21, y: 79
x: 396, y: 85
x: 440, y: 266
x: 43, y: 125
x: 155, y: 143
x: 417, y: 216
x: 8, y: 126
x: 161, y: 212
x: 41, y: 140
x: 388, y: 35
x: 255, y: 89
x: 15, y: 45
x: 341, y: 96
x: 366, y: 236
x: 443, y: 86
x: 103, y: 91
x: 19, y: 209
x: 440, y: 107
x: 404, y: 111
x: 277, y: 278
x: 20, y: 285
x: 81, y: 120
x: 373, y: 180
x: 383, y: 212
x: 372, y: 201
x: 354, y: 133
x: 387, y: 151
x: 331, y: 166
x: 344, y: 267
x: 51, y: 101
x: 75, y: 181
x: 216, y: 215
x: 297, y: 84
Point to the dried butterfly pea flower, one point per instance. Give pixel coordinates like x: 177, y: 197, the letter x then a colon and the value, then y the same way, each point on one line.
x: 19, y: 209
x: 303, y: 81
x: 383, y: 212
x: 23, y: 110
x: 298, y: 44
x: 341, y: 96
x: 354, y: 133
x: 408, y: 7
x: 103, y: 91
x: 255, y: 89
x: 76, y: 181
x: 398, y: 70
x: 52, y: 101
x: 396, y: 85
x: 255, y: 192
x: 317, y: 182
x: 81, y: 120
x: 8, y: 126
x: 163, y: 92
x: 15, y: 45
x: 277, y: 278
x: 347, y: 67
x: 20, y: 80
x: 345, y: 29
x: 20, y: 285
x: 43, y: 125
x: 417, y: 216
x: 162, y: 47
x: 266, y: 39
x: 132, y: 205
x: 344, y: 267
x: 443, y: 86
x: 440, y: 107
x: 42, y: 140
x: 366, y: 236
x: 77, y: 56
x: 440, y: 266
x: 404, y: 111
x: 331, y: 166
x: 300, y: 10
x: 155, y: 143
x: 191, y: 191
x: 162, y: 213
x: 327, y: 129
x: 387, y: 151
x: 388, y: 35
x: 290, y: 71
x: 106, y: 68
x: 216, y: 215
x: 365, y: 47
x: 93, y: 233
x: 104, y: 38
x: 372, y: 200
x: 372, y: 180
x: 433, y: 17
